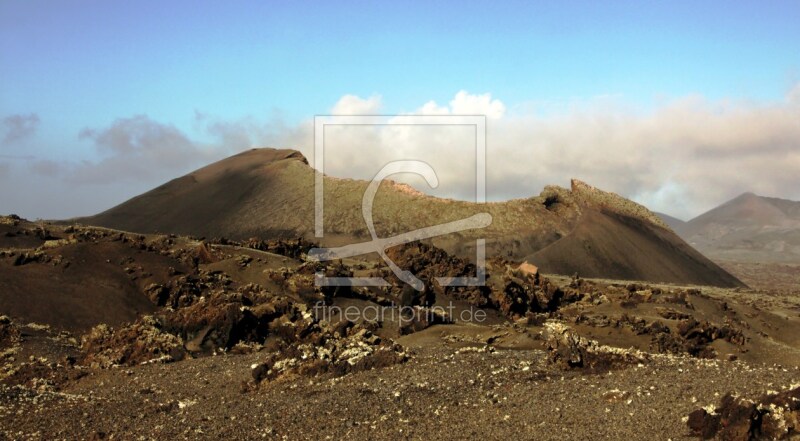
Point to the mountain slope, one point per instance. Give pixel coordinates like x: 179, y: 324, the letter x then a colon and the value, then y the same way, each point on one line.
x: 748, y: 228
x: 673, y: 222
x: 268, y: 193
x: 608, y: 243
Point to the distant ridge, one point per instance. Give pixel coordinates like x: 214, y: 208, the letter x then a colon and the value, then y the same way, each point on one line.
x: 748, y: 228
x: 270, y: 193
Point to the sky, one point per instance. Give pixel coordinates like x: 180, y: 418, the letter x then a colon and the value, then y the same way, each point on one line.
x: 677, y: 105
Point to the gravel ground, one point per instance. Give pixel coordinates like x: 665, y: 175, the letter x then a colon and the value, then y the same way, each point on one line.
x: 441, y: 393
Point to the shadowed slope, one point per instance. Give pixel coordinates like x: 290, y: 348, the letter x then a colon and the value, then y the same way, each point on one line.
x: 76, y: 285
x: 609, y: 243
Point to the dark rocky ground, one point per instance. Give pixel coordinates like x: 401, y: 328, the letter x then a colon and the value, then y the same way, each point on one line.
x: 213, y: 338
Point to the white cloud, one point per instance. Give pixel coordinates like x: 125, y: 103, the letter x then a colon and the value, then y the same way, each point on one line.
x: 431, y: 108
x: 465, y: 103
x: 793, y: 97
x: 354, y: 105
x: 140, y: 149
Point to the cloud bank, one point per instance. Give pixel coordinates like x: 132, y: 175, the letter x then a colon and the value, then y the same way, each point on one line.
x: 139, y: 149
x: 682, y: 157
x: 16, y: 127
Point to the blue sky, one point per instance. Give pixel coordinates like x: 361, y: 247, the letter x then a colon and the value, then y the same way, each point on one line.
x: 86, y: 64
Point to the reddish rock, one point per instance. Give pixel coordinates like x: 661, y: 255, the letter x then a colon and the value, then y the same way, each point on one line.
x: 528, y: 270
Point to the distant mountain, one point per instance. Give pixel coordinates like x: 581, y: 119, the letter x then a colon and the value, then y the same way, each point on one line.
x: 749, y: 228
x: 270, y: 193
x: 672, y: 222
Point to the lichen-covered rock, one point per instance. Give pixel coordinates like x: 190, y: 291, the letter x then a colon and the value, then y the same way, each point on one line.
x: 142, y: 342
x: 9, y: 333
x: 294, y: 248
x: 517, y: 293
x: 428, y: 262
x: 12, y: 220
x: 41, y: 374
x: 514, y: 291
x: 699, y: 335
x: 569, y: 350
x: 773, y: 416
x: 223, y: 320
x: 688, y: 337
x: 332, y: 350
x: 25, y: 258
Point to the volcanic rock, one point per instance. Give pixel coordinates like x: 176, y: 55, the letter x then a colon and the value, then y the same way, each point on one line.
x: 773, y: 416
x: 9, y: 333
x: 569, y: 350
x: 141, y: 342
x: 333, y: 351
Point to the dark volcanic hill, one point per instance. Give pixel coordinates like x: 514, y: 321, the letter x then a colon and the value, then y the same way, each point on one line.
x: 270, y: 193
x: 749, y: 228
